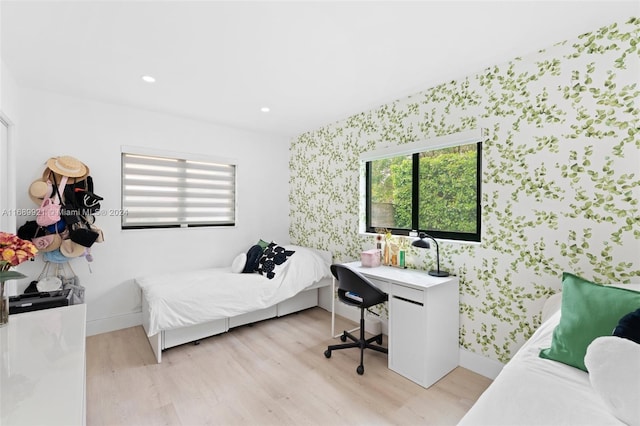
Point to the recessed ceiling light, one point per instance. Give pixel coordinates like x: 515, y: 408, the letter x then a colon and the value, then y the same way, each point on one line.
x: 265, y: 109
x: 148, y: 79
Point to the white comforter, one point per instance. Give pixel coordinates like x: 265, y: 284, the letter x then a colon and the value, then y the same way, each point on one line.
x: 187, y: 298
x: 534, y: 391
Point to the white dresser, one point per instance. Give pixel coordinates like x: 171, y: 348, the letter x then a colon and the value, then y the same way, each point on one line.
x: 423, y: 321
x: 42, y: 368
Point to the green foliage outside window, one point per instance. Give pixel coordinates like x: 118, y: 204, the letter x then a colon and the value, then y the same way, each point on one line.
x: 448, y: 198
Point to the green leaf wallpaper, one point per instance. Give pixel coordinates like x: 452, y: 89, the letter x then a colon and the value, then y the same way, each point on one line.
x: 560, y: 187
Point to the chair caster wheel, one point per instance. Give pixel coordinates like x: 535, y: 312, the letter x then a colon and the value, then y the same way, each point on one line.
x: 327, y: 353
x: 379, y: 340
x: 360, y: 370
x: 343, y: 338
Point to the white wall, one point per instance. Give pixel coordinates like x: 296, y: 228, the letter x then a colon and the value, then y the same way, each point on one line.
x: 53, y: 125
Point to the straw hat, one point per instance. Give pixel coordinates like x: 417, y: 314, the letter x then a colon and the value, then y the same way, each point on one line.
x: 100, y: 238
x: 71, y: 249
x: 39, y: 190
x: 66, y: 166
x: 47, y: 243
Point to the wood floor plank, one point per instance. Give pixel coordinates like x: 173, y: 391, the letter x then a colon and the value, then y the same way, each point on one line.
x: 270, y: 373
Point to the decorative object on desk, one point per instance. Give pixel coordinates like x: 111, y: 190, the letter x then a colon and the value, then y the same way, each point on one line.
x: 394, y: 254
x: 370, y: 258
x: 421, y: 243
x: 386, y: 234
x: 13, y: 251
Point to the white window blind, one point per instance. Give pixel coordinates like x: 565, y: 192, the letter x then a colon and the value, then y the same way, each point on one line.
x: 175, y: 192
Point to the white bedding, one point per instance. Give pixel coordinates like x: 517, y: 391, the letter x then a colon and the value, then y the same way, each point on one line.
x: 187, y: 298
x: 534, y: 391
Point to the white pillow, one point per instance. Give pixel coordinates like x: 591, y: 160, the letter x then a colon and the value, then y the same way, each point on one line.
x: 238, y: 263
x: 614, y: 373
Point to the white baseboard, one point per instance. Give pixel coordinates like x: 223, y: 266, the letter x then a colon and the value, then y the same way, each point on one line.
x: 480, y: 364
x: 105, y: 325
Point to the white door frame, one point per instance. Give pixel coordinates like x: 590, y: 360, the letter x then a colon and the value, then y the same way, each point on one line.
x: 8, y: 182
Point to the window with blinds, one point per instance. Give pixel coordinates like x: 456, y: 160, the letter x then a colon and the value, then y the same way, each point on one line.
x: 163, y: 192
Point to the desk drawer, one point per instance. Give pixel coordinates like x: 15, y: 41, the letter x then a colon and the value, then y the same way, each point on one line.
x: 409, y: 293
x: 380, y: 284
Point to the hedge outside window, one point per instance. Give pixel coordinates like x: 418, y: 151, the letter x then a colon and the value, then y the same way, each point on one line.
x: 436, y: 191
x: 163, y: 192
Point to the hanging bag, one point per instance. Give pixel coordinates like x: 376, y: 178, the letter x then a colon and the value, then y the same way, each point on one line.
x: 68, y: 278
x: 49, y: 211
x: 81, y: 233
x: 86, y: 199
x: 68, y: 210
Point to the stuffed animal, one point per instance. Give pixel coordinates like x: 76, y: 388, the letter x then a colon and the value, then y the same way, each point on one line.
x: 629, y: 326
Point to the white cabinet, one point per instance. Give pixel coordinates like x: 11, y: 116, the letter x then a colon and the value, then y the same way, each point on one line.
x: 423, y: 331
x: 407, y: 337
x: 423, y: 321
x: 42, y: 367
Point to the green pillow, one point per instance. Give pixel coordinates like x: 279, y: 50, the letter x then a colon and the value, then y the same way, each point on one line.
x: 262, y: 243
x: 589, y: 311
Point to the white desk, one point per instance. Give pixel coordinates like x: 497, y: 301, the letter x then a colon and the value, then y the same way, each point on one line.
x: 423, y: 321
x: 42, y: 367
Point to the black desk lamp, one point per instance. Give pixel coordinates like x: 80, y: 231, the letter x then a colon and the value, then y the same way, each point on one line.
x: 425, y: 244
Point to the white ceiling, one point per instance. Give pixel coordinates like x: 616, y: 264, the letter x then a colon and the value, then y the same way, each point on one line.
x: 312, y: 63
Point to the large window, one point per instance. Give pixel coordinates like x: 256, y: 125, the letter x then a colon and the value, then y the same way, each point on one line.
x: 162, y: 192
x: 435, y: 190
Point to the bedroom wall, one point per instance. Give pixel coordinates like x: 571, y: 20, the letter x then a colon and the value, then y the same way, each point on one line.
x: 52, y: 125
x: 560, y: 179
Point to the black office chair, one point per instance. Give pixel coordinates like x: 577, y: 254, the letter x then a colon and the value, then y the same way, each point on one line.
x: 356, y: 290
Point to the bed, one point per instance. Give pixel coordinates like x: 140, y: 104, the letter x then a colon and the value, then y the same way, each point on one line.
x: 531, y: 390
x: 183, y: 307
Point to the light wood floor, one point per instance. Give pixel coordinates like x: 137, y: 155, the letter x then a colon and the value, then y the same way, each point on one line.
x: 273, y: 372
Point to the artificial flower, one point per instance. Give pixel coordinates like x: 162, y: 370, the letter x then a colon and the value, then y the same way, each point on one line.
x: 14, y: 250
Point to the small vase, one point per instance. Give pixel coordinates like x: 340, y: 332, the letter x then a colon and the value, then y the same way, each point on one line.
x: 6, y: 274
x: 4, y: 306
x: 386, y: 255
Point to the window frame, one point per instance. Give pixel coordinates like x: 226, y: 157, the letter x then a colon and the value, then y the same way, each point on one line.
x: 414, y: 149
x: 178, y: 157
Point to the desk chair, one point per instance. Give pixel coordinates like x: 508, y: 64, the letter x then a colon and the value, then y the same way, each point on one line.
x: 355, y: 290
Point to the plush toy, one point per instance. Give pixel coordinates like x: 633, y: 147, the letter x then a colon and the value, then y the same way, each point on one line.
x: 629, y: 326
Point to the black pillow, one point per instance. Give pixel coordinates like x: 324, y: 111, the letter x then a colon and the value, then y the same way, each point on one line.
x: 629, y: 326
x: 253, y: 257
x: 272, y: 260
